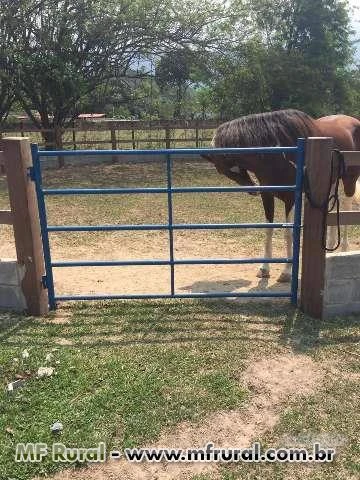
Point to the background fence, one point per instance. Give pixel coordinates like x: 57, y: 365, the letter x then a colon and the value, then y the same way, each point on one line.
x: 124, y: 134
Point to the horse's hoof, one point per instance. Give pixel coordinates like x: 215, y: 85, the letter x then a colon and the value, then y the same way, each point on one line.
x: 285, y: 277
x: 263, y: 273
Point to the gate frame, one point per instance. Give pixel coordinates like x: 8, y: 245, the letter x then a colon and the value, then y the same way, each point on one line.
x: 299, y: 150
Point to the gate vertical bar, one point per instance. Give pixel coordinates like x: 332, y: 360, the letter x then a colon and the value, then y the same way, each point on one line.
x: 170, y: 222
x: 43, y: 225
x: 300, y: 162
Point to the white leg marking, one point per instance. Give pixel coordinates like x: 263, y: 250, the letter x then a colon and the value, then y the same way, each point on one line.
x: 286, y: 274
x: 264, y: 271
x: 331, y: 237
x: 345, y: 238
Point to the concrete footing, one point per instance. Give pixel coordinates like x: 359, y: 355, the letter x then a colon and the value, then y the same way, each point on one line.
x: 11, y: 294
x: 342, y: 284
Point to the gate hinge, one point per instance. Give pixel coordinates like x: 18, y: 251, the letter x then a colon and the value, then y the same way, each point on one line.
x: 44, y: 281
x: 31, y: 173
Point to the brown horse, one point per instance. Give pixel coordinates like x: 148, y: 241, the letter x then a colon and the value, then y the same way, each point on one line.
x: 280, y: 128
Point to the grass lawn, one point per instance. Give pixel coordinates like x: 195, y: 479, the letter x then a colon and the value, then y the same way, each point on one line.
x: 125, y: 371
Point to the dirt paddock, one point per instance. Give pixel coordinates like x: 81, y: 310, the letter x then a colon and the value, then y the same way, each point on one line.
x: 137, y: 209
x: 154, y: 279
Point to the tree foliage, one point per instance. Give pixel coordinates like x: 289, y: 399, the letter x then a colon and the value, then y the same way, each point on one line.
x: 173, y: 73
x: 69, y: 48
x: 224, y: 58
x: 299, y: 57
x: 7, y: 41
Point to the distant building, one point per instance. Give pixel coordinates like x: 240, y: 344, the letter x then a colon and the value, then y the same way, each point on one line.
x: 91, y: 116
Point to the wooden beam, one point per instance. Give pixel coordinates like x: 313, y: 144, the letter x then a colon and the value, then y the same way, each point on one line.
x: 352, y: 159
x: 346, y: 218
x: 23, y: 202
x: 167, y: 137
x: 318, y: 165
x: 125, y: 125
x: 6, y: 217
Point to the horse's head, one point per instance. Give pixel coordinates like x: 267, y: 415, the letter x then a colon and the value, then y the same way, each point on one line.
x: 230, y: 166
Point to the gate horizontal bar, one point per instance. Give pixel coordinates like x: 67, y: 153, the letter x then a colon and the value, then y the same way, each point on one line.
x: 113, y: 191
x: 191, y: 261
x: 63, y: 298
x: 170, y: 151
x: 179, y: 226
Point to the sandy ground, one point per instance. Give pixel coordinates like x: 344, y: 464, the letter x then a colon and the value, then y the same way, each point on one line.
x: 154, y: 279
x: 272, y: 381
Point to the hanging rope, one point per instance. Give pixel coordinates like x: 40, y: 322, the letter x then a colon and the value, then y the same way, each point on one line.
x: 332, y: 200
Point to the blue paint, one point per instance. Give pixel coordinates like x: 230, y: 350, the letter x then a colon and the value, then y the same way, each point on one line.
x: 36, y: 171
x: 300, y: 161
x: 170, y: 223
x: 170, y: 226
x: 63, y: 298
x: 173, y: 151
x: 154, y: 227
x: 113, y: 191
x: 191, y: 261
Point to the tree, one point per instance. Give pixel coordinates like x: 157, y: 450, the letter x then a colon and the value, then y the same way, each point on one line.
x: 69, y: 48
x: 309, y: 52
x: 238, y: 81
x: 299, y: 56
x: 7, y: 39
x: 174, y: 72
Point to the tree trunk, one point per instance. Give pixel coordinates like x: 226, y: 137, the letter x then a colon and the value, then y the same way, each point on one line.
x: 53, y: 141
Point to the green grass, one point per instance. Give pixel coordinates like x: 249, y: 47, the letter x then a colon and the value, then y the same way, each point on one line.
x: 133, y: 369
x: 125, y: 371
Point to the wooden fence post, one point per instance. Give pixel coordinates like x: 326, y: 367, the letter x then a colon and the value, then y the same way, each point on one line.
x: 113, y: 141
x: 197, y: 136
x: 133, y: 139
x: 167, y: 138
x: 23, y: 201
x: 74, y: 135
x: 318, y: 168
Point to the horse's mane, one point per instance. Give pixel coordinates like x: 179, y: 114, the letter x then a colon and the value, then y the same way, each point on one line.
x: 282, y: 127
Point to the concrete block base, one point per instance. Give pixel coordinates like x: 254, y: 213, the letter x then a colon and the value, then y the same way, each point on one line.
x: 342, y: 284
x: 11, y: 294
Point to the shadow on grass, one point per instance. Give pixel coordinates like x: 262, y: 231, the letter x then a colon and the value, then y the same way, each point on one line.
x: 114, y: 324
x: 305, y: 333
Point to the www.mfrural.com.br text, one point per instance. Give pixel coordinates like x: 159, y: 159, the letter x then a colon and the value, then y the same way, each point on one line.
x: 37, y: 452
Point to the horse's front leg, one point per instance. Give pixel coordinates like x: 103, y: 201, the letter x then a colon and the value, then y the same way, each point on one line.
x: 268, y: 204
x: 285, y: 275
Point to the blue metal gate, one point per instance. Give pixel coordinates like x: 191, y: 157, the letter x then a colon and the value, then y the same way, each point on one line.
x: 170, y: 226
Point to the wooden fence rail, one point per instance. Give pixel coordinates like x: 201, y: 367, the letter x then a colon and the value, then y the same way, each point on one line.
x: 118, y: 134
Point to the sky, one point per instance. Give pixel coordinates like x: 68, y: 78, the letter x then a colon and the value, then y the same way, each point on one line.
x: 355, y: 17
